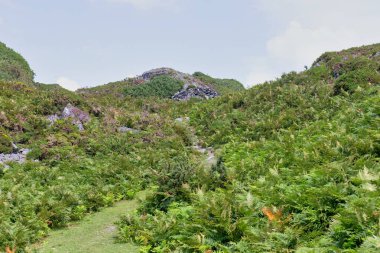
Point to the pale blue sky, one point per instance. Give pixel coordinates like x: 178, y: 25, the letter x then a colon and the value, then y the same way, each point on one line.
x: 89, y: 42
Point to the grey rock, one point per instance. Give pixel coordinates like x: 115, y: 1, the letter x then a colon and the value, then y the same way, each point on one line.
x: 124, y: 129
x: 73, y: 112
x: 377, y: 54
x: 52, y: 119
x: 181, y: 120
x: 198, y: 92
x: 19, y: 157
x: 78, y: 116
x: 156, y: 72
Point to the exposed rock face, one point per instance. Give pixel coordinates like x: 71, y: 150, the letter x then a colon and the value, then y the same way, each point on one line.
x: 193, y: 87
x: 377, y: 54
x: 78, y: 116
x: 198, y: 92
x: 19, y: 157
x: 156, y: 72
x: 75, y: 113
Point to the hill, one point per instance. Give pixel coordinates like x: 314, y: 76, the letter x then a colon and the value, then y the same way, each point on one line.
x: 13, y: 67
x: 298, y: 167
x: 168, y: 83
x: 297, y: 170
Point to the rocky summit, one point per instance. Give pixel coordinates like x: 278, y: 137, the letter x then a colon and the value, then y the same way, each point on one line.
x: 167, y: 83
x: 192, y: 86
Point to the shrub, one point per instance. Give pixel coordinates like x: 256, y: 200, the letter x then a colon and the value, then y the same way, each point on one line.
x: 350, y: 81
x: 5, y: 144
x: 160, y: 86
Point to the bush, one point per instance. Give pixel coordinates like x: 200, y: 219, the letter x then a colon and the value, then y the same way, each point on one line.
x: 350, y: 81
x: 160, y: 86
x: 5, y: 144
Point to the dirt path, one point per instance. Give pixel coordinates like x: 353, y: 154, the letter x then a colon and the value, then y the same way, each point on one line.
x: 94, y: 234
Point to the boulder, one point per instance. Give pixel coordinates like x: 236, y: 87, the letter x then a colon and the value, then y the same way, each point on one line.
x: 19, y: 156
x: 75, y: 113
x: 77, y: 116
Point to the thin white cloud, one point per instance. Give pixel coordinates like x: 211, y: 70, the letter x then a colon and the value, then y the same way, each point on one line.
x: 147, y: 4
x: 313, y: 27
x: 68, y: 83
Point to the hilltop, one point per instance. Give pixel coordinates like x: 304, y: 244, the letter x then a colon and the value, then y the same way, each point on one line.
x: 13, y: 67
x: 168, y: 83
x: 297, y: 159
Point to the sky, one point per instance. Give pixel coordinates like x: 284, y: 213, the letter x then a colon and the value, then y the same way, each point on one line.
x: 83, y: 43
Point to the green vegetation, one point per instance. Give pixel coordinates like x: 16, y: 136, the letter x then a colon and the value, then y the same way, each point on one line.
x: 94, y: 234
x: 300, y: 172
x: 13, y: 66
x: 297, y: 169
x: 222, y: 86
x: 160, y: 86
x: 77, y: 172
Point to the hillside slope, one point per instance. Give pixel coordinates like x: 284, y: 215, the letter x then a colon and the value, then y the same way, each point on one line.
x: 298, y: 160
x: 168, y: 83
x: 298, y: 172
x: 13, y: 67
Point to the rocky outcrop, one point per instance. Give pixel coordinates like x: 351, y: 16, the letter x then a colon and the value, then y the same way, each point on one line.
x: 198, y: 92
x: 77, y: 116
x: 377, y: 54
x: 192, y: 87
x: 18, y: 157
x: 156, y: 72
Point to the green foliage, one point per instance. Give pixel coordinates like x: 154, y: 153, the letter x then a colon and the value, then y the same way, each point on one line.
x: 358, y: 78
x: 300, y: 169
x: 222, y: 86
x: 160, y: 86
x: 13, y: 66
x: 77, y: 172
x: 173, y: 185
x: 5, y: 144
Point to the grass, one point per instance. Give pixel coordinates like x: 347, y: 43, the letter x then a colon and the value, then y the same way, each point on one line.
x: 95, y: 233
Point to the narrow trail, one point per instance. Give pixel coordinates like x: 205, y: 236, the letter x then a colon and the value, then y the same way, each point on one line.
x: 94, y: 234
